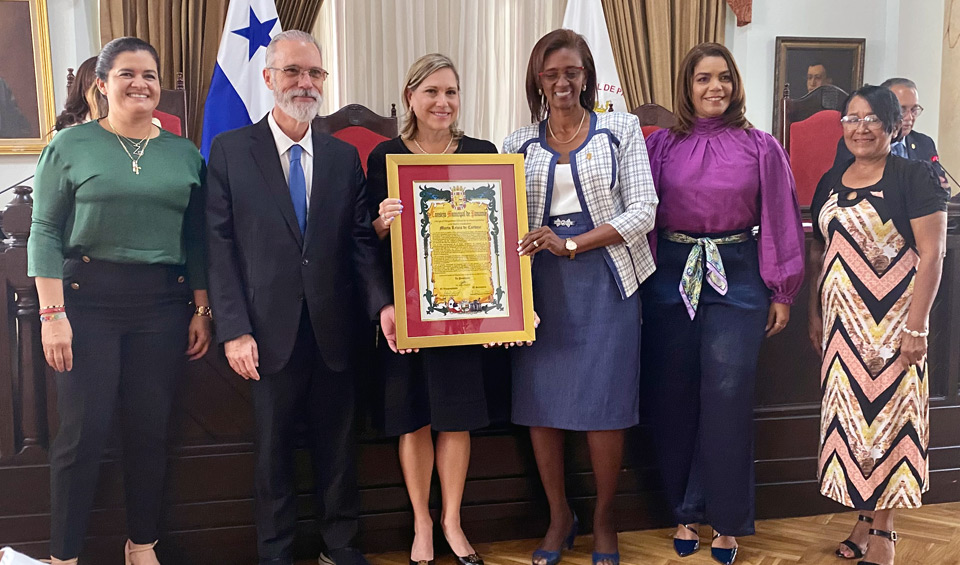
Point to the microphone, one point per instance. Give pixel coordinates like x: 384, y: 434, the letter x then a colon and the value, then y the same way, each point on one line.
x: 936, y: 160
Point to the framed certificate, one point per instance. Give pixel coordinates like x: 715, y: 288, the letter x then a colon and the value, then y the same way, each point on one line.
x: 457, y: 276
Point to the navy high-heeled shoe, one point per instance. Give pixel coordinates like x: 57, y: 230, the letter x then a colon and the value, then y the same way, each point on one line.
x: 723, y: 555
x: 687, y: 547
x: 613, y: 558
x: 553, y: 557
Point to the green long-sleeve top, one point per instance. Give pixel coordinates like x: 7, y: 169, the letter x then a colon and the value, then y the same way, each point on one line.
x: 88, y: 201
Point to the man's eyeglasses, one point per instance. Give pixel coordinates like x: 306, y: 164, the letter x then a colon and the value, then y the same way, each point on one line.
x: 294, y: 72
x: 569, y: 73
x: 916, y: 110
x: 870, y: 122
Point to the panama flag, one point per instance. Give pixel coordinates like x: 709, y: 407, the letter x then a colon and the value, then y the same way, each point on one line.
x: 586, y: 18
x: 238, y: 95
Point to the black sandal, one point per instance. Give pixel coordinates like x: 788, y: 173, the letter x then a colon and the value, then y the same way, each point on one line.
x: 892, y: 536
x: 856, y: 549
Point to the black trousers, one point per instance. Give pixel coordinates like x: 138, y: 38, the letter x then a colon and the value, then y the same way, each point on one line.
x: 305, y: 389
x: 702, y: 374
x: 129, y: 341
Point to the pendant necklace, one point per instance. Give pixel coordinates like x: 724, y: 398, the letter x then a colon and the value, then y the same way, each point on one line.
x: 137, y: 151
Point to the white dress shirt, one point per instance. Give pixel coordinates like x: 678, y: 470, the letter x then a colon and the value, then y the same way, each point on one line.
x: 284, y: 144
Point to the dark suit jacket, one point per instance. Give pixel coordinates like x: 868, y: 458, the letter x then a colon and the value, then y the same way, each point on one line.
x: 262, y: 269
x: 919, y: 148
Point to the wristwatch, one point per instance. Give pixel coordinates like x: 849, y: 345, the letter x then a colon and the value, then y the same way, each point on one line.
x: 571, y: 246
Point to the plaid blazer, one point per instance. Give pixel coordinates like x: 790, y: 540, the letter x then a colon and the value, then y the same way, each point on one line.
x: 612, y: 175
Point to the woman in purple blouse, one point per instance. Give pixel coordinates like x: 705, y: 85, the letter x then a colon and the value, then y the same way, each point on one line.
x: 719, y: 288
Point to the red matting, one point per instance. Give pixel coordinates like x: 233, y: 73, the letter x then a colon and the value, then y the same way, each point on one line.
x: 412, y: 262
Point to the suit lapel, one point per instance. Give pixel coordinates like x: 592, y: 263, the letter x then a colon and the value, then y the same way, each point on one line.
x: 319, y: 195
x: 264, y: 151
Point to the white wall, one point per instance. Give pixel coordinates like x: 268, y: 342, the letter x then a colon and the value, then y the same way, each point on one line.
x: 903, y: 38
x: 74, y: 35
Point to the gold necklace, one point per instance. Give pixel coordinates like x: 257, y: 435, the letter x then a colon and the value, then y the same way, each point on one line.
x: 138, y: 151
x: 564, y: 142
x: 445, y: 149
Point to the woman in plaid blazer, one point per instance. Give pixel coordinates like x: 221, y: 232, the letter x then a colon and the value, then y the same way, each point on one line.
x: 591, y: 199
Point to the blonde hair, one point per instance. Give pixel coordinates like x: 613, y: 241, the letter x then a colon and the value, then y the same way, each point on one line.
x: 419, y: 71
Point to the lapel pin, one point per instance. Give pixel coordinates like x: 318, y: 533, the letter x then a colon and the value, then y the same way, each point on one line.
x: 589, y: 156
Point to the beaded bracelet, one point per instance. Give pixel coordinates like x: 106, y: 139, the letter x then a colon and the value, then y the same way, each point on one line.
x: 53, y: 316
x: 915, y: 333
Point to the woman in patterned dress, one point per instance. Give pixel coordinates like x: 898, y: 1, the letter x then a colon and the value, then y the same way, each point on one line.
x: 880, y: 237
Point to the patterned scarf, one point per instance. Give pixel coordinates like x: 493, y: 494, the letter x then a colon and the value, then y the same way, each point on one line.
x: 692, y: 280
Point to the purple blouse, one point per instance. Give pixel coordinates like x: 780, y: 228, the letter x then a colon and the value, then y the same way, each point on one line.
x: 720, y: 179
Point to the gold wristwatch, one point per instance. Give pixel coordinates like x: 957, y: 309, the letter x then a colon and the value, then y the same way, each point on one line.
x: 571, y: 246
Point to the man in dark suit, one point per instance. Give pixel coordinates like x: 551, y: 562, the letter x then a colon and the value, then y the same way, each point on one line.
x: 913, y: 145
x: 294, y: 277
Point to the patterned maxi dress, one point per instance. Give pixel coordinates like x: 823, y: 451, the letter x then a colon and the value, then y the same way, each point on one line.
x: 874, y: 418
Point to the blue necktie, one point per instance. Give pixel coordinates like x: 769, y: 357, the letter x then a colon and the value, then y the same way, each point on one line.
x: 298, y: 187
x: 899, y: 149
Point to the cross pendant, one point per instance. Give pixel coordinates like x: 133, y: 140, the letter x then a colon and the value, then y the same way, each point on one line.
x: 136, y: 168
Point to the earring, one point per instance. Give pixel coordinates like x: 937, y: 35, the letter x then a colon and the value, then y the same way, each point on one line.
x: 584, y: 88
x: 540, y: 91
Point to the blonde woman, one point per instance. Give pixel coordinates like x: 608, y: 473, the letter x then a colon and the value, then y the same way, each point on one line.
x: 438, y: 390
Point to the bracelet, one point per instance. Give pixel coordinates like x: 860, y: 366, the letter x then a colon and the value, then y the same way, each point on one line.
x: 203, y: 312
x: 52, y: 309
x: 53, y: 316
x: 915, y: 333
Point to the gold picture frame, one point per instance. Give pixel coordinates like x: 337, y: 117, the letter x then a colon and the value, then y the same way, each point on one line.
x: 467, y: 285
x: 804, y: 63
x: 26, y: 78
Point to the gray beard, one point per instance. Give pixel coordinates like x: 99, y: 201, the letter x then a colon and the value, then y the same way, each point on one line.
x: 303, y: 112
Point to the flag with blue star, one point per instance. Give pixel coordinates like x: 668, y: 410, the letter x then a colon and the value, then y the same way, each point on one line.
x: 238, y: 96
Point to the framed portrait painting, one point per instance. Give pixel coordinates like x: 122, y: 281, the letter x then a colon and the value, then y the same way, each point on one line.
x: 26, y: 80
x: 806, y: 63
x: 457, y: 276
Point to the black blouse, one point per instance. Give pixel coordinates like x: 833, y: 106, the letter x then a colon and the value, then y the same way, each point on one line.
x: 377, y: 165
x: 911, y: 189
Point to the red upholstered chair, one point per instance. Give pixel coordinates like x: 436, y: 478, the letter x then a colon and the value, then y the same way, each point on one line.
x: 360, y: 127
x: 653, y: 117
x: 812, y: 150
x: 809, y: 130
x: 172, y: 109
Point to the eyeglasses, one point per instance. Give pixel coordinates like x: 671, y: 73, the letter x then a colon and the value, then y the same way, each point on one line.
x: 569, y: 73
x: 869, y: 122
x: 916, y: 110
x: 294, y: 72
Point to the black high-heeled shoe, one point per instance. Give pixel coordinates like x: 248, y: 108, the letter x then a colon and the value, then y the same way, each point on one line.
x: 422, y: 562
x: 892, y: 536
x: 686, y: 547
x: 722, y: 554
x: 856, y: 549
x: 472, y: 559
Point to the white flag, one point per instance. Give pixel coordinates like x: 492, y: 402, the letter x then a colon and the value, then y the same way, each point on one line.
x: 586, y: 18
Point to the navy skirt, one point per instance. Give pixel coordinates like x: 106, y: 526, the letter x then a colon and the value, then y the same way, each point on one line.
x: 582, y: 373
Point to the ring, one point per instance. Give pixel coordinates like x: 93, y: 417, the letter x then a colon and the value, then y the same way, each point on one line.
x: 535, y: 244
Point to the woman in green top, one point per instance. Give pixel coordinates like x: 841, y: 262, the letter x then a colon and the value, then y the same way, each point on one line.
x: 116, y: 246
